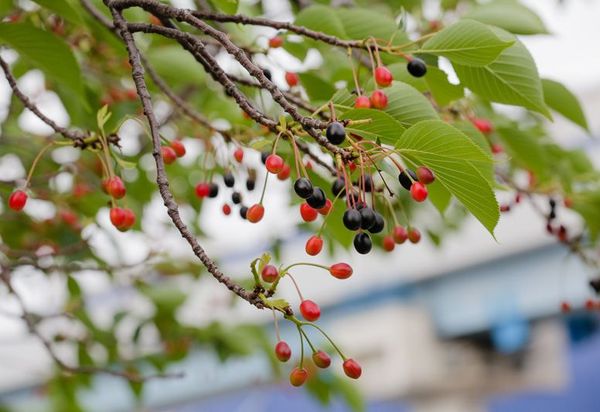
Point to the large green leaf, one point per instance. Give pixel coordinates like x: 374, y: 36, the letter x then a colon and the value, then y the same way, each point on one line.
x: 508, y: 15
x: 456, y: 162
x: 322, y: 19
x: 381, y: 127
x: 511, y: 79
x: 45, y: 51
x: 62, y: 8
x: 467, y: 42
x: 559, y: 98
x: 407, y: 105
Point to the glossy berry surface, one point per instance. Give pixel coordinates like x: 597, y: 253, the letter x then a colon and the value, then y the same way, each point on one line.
x: 388, y: 243
x: 310, y: 310
x: 362, y: 243
x: 414, y: 235
x: 269, y: 273
x: 418, y: 191
x: 417, y: 67
x: 379, y: 99
x: 275, y: 42
x: 352, y: 219
x: 236, y: 198
x: 213, y: 190
x: 340, y: 270
x: 303, y: 188
x: 425, y: 175
x: 255, y: 213
x: 250, y: 184
x: 327, y: 208
x: 283, y: 351
x: 238, y: 155
x: 117, y: 216
x: 228, y: 179
x: 168, y: 154
x: 317, y: 199
x: 179, y: 148
x: 17, y: 200
x: 314, y: 245
x: 407, y: 177
x: 383, y: 77
x: 378, y: 225
x: 115, y: 187
x: 202, y: 190
x: 226, y: 209
x: 352, y: 369
x: 292, y: 79
x: 285, y: 172
x: 367, y: 218
x: 400, y: 234
x: 274, y: 163
x: 321, y: 359
x: 483, y: 125
x: 308, y: 213
x: 298, y: 376
x: 362, y: 102
x: 244, y: 212
x: 336, y: 133
x: 338, y: 186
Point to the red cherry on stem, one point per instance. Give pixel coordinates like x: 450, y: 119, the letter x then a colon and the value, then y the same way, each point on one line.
x: 362, y: 102
x: 274, y: 163
x: 283, y: 351
x: 340, y: 270
x: 17, y: 200
x: 379, y: 99
x: 269, y: 273
x: 298, y: 376
x: 255, y: 213
x: 321, y: 359
x: 310, y: 310
x: 308, y: 213
x: 352, y: 369
x: 418, y: 191
x: 292, y: 79
x: 383, y: 77
x: 179, y: 148
x: 168, y: 154
x: 314, y: 245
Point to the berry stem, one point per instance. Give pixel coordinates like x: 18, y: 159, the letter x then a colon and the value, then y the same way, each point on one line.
x: 277, y: 335
x: 35, y: 162
x: 304, y: 264
x: 335, y: 199
x: 327, y: 337
x: 392, y: 212
x: 262, y: 195
x: 301, y: 344
x: 307, y: 340
x: 354, y: 73
x: 295, y: 285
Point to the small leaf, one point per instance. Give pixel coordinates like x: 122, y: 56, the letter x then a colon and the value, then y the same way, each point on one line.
x: 467, y: 42
x: 559, y: 98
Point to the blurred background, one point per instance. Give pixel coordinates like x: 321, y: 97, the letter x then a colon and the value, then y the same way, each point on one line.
x: 471, y: 325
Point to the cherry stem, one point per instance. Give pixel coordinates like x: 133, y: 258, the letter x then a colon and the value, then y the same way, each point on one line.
x: 277, y: 335
x: 392, y: 212
x: 295, y: 284
x: 335, y: 199
x: 301, y: 344
x: 327, y: 337
x: 305, y: 264
x: 354, y: 73
x: 35, y: 162
x: 307, y: 340
x: 262, y: 195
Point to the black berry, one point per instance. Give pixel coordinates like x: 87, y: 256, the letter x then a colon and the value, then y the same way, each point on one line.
x: 236, y: 198
x: 379, y: 224
x: 214, y: 190
x: 367, y: 216
x: 263, y: 156
x: 595, y: 284
x: 243, y: 212
x: 267, y: 74
x: 406, y: 181
x: 368, y: 182
x: 352, y: 219
x: 417, y: 67
x: 317, y: 199
x: 335, y: 133
x: 250, y: 184
x: 303, y: 188
x: 228, y: 179
x: 338, y: 186
x: 362, y: 243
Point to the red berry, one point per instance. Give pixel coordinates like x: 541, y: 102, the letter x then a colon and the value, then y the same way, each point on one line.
x: 352, y: 166
x: 383, y: 77
x: 308, y: 165
x: 314, y: 244
x: 168, y: 154
x: 269, y: 273
x: 117, y: 216
x: 274, y: 163
x: 129, y: 219
x: 562, y: 234
x: 17, y: 200
x: 400, y: 234
x: 284, y: 173
x: 179, y: 148
x: 568, y: 202
x: 352, y: 369
x: 310, y: 310
x: 497, y: 148
x: 388, y: 243
x: 327, y: 208
x: 362, y: 102
x: 321, y: 359
x: 298, y: 376
x: 425, y: 175
x: 484, y: 125
x: 283, y: 351
x: 255, y: 213
x: 115, y: 187
x: 565, y: 307
x: 238, y: 154
x: 69, y: 217
x: 504, y: 208
x: 308, y: 213
x: 202, y: 190
x: 379, y: 99
x: 590, y: 304
x: 340, y: 270
x: 226, y: 209
x: 418, y: 191
x: 275, y: 42
x: 292, y: 79
x: 414, y: 235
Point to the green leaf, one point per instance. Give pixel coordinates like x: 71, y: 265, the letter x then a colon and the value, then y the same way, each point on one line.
x: 63, y: 9
x: 439, y: 196
x: 587, y: 204
x: 441, y: 89
x: 511, y: 79
x: 525, y: 149
x: 47, y: 52
x: 467, y: 42
x: 322, y: 19
x: 316, y: 87
x: 226, y: 6
x: 559, y: 98
x: 361, y: 24
x: 456, y: 162
x: 407, y: 105
x: 508, y: 15
x: 175, y: 64
x: 382, y: 126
